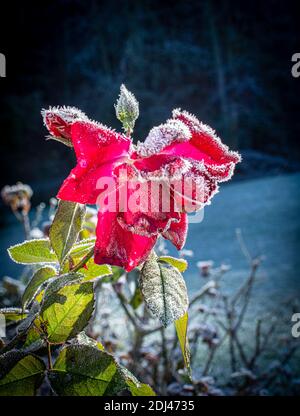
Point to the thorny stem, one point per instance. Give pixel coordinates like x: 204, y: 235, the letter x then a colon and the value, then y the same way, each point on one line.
x: 83, y: 261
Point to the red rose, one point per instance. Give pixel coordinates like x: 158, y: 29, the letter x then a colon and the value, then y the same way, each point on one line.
x: 175, y: 171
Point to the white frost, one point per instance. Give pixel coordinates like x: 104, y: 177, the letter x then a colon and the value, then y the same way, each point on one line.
x: 162, y: 136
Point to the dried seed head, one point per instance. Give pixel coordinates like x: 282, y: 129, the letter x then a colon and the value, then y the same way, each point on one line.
x: 17, y: 196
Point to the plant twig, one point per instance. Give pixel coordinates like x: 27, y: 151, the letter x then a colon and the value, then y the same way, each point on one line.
x: 209, y: 285
x: 50, y: 366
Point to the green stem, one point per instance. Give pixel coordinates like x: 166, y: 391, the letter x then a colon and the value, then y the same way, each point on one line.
x: 83, y: 261
x: 49, y: 355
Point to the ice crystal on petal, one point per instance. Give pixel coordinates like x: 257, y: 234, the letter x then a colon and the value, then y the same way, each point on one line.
x: 162, y: 136
x: 206, y: 133
x: 59, y: 120
x: 68, y: 114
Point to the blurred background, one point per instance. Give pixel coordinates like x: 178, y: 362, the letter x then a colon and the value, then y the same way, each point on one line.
x: 227, y: 62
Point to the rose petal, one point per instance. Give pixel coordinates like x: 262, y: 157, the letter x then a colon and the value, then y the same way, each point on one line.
x: 95, y: 143
x: 194, y: 164
x: 205, y: 140
x: 119, y: 247
x: 99, y: 151
x: 177, y: 232
x: 59, y: 120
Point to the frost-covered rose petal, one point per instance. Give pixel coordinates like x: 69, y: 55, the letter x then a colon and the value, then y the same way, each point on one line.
x: 162, y: 136
x: 59, y: 120
x: 205, y: 146
x: 146, y: 207
x: 177, y: 232
x: 198, y: 160
x: 117, y: 246
x: 202, y: 146
x: 99, y: 150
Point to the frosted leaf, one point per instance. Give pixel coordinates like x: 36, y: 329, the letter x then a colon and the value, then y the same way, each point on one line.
x: 84, y: 370
x: 65, y: 228
x: 38, y: 279
x: 57, y: 283
x: 163, y: 135
x: 32, y: 251
x: 20, y: 373
x: 164, y: 290
x: 180, y: 264
x: 67, y: 310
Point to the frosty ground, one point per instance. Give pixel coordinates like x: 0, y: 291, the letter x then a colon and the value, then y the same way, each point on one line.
x: 266, y: 210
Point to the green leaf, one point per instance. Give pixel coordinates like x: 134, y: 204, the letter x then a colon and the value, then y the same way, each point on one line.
x: 67, y: 311
x: 39, y: 277
x: 13, y: 314
x: 83, y: 370
x: 60, y: 282
x: 117, y: 273
x: 140, y: 390
x: 32, y: 251
x: 93, y: 271
x: 136, y: 299
x: 180, y: 264
x: 26, y: 323
x: 66, y: 227
x: 134, y: 386
x: 32, y: 336
x: 79, y: 250
x: 164, y: 290
x: 20, y: 374
x: 84, y: 339
x: 181, y: 325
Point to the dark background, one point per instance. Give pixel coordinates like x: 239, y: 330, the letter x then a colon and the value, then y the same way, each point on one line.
x: 227, y: 62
